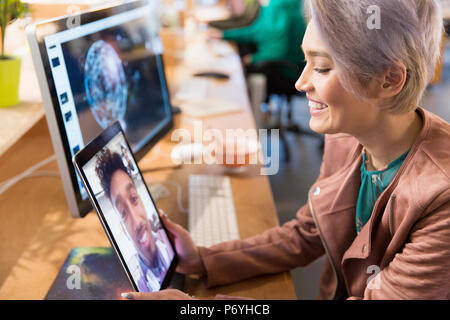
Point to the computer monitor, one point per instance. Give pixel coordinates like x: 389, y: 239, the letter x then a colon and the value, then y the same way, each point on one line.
x: 95, y: 68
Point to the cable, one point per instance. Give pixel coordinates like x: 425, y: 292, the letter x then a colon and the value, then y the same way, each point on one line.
x: 155, y: 153
x: 179, y: 193
x: 43, y: 174
x: 169, y: 167
x: 30, y: 172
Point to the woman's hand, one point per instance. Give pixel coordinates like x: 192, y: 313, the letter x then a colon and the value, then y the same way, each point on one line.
x: 189, y: 261
x: 167, y: 294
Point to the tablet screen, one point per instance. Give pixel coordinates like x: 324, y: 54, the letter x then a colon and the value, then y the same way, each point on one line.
x: 129, y: 213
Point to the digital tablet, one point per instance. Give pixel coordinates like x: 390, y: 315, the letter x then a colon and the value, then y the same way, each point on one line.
x: 126, y: 210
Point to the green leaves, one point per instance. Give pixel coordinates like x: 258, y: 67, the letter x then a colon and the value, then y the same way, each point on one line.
x: 10, y: 10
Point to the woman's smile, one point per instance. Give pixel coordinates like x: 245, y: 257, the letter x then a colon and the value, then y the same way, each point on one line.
x: 316, y: 108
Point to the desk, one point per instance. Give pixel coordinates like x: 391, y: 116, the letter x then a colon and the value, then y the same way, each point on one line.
x: 16, y: 121
x: 37, y: 232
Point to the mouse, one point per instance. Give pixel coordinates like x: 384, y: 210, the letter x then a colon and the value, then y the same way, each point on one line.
x: 213, y: 74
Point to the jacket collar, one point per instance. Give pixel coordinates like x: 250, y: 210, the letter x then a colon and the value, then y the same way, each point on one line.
x: 334, y: 199
x: 361, y: 246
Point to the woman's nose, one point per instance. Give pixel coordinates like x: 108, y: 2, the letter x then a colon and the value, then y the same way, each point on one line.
x: 303, y: 84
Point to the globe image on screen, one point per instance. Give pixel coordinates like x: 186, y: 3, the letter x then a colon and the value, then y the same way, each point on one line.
x: 105, y: 84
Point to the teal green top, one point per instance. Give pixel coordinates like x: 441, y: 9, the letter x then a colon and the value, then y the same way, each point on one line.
x: 277, y: 32
x: 373, y: 183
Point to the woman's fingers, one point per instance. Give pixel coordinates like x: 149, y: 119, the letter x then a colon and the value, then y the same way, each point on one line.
x: 188, y: 256
x: 172, y: 227
x: 141, y: 296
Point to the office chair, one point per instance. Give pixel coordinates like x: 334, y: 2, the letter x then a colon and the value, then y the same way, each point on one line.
x: 249, y: 15
x: 281, y: 76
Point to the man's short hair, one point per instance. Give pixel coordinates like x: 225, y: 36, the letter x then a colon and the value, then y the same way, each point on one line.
x: 107, y: 163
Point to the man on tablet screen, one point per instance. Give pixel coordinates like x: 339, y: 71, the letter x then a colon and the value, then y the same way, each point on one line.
x: 119, y: 187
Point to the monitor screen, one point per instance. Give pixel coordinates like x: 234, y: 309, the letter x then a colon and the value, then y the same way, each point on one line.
x: 129, y: 214
x: 109, y: 68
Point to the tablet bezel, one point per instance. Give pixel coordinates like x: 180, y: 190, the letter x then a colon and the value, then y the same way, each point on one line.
x: 84, y: 156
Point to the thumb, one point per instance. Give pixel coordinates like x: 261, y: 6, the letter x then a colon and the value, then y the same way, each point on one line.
x: 140, y: 296
x: 171, y: 226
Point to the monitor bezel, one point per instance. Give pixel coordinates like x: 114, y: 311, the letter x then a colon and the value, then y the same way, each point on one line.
x: 82, y: 158
x: 39, y: 32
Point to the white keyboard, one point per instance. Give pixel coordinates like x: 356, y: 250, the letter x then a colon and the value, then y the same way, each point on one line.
x: 212, y: 217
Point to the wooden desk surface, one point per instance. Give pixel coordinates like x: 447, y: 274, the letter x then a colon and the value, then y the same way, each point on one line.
x: 37, y: 232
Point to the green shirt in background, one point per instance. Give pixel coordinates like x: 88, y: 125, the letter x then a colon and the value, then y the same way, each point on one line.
x: 277, y: 32
x: 373, y: 183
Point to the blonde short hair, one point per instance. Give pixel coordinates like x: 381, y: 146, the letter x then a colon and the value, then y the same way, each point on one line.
x: 410, y: 31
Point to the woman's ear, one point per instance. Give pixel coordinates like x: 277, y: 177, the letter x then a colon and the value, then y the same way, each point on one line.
x: 393, y: 81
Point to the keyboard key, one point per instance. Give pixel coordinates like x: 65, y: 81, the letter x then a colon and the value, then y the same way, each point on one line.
x: 212, y: 217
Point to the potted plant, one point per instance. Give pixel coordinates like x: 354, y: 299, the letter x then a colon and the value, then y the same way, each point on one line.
x: 10, y: 10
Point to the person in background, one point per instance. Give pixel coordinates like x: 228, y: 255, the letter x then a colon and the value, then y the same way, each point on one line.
x: 279, y: 24
x: 271, y: 63
x: 244, y: 16
x: 380, y: 209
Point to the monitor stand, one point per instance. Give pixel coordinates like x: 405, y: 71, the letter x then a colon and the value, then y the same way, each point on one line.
x: 94, y: 273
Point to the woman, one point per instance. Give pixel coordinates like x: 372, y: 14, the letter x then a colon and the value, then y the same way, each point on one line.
x: 380, y: 208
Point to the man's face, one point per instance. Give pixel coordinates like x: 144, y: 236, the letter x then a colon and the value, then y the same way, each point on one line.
x: 128, y: 204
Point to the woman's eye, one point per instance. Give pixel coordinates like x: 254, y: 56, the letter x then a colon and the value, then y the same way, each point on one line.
x: 318, y: 70
x: 134, y: 199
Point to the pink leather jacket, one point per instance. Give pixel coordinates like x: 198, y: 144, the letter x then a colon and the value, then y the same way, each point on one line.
x: 403, y: 252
